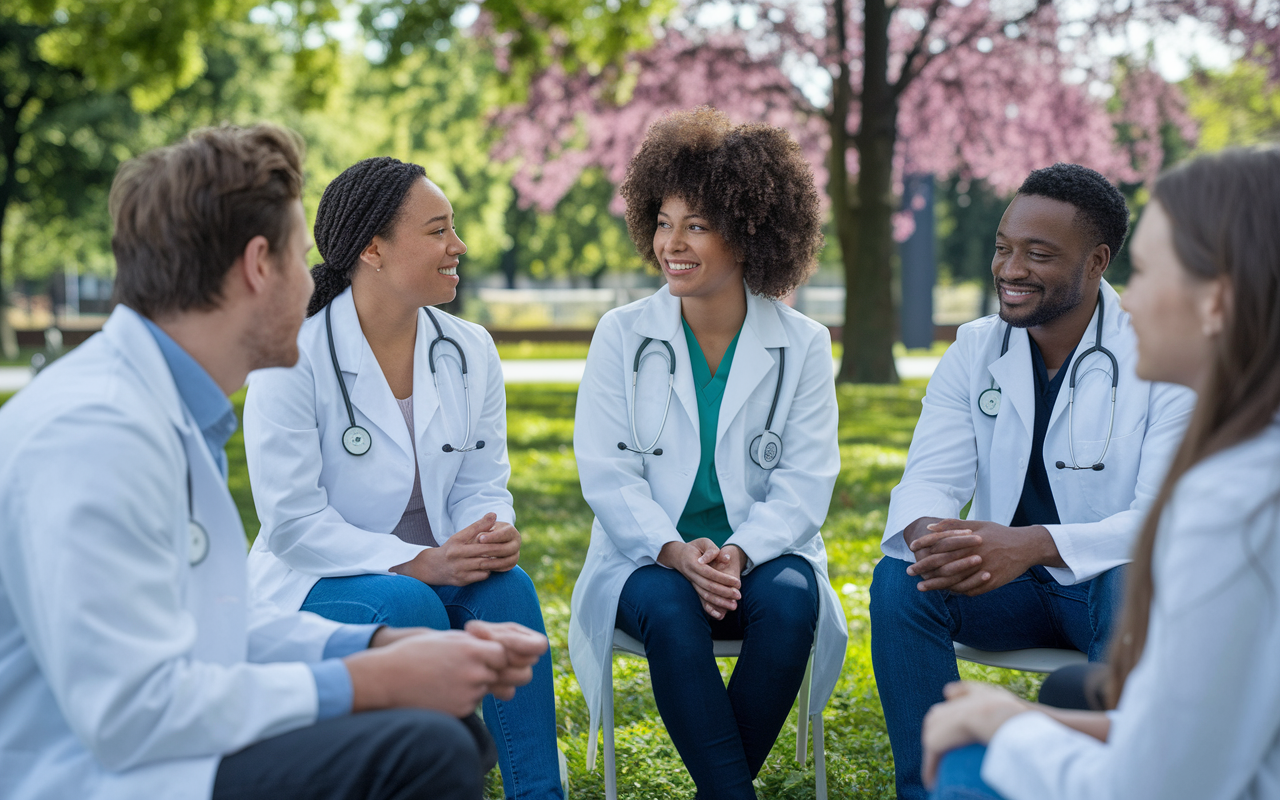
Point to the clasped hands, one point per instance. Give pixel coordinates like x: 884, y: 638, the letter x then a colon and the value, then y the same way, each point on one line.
x: 715, y: 572
x: 468, y: 556
x: 447, y: 671
x: 972, y: 557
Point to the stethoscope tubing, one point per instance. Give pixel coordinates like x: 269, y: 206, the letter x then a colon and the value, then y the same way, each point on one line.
x: 1071, y: 388
x: 670, y: 358
x: 435, y: 382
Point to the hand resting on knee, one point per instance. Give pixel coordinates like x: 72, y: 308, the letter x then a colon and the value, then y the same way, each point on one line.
x: 448, y: 671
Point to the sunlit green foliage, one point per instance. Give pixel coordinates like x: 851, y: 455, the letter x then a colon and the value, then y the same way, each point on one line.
x: 1233, y: 108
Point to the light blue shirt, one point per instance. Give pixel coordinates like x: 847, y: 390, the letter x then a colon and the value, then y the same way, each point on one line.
x: 216, y: 419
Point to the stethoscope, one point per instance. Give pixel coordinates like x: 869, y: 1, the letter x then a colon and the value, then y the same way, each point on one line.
x: 766, y: 448
x: 355, y: 439
x: 989, y: 400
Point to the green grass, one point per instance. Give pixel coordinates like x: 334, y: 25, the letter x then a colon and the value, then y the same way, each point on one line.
x: 876, y: 424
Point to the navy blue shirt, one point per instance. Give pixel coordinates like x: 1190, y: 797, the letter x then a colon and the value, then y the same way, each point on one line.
x: 1036, y: 507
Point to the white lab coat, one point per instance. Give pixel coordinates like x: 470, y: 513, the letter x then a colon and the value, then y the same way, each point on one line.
x: 959, y: 453
x: 638, y: 499
x: 124, y: 671
x: 326, y: 513
x: 1199, y: 718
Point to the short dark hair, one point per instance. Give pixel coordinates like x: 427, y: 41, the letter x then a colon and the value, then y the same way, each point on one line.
x: 1100, y: 208
x: 183, y: 214
x: 365, y: 201
x: 750, y: 181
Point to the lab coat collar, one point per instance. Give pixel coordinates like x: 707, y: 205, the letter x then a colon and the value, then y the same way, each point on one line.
x: 752, y: 361
x: 128, y: 334
x: 369, y: 390
x: 660, y: 319
x: 1110, y: 329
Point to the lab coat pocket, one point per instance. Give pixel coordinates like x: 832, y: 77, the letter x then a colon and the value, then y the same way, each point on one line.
x: 1109, y: 490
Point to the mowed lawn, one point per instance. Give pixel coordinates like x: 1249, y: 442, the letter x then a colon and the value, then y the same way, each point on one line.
x: 876, y: 424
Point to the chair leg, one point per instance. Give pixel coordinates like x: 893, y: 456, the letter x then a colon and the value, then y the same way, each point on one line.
x: 819, y: 758
x: 802, y: 714
x: 606, y: 723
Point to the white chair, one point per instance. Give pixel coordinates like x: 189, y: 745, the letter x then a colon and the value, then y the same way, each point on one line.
x: 1035, y: 659
x: 627, y: 645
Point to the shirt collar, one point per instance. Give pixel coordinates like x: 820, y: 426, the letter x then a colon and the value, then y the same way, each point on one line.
x: 202, y: 396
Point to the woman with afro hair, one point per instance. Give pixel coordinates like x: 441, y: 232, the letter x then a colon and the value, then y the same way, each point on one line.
x: 379, y: 462
x: 706, y: 446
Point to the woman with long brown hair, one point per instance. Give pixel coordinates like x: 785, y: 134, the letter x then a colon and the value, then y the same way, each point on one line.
x: 1193, y: 663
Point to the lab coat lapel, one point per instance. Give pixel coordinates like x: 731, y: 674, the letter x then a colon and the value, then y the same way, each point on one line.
x: 426, y: 401
x: 1012, y: 374
x: 660, y: 320
x: 1110, y: 327
x: 129, y: 335
x: 752, y: 360
x: 370, y: 392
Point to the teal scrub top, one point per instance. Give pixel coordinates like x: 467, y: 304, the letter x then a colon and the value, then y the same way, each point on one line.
x: 704, y: 515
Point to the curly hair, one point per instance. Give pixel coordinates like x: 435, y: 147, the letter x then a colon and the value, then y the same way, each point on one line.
x: 1102, y: 210
x: 361, y: 203
x: 751, y: 182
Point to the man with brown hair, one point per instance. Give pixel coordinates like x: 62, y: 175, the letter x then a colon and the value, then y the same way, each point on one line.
x: 130, y: 663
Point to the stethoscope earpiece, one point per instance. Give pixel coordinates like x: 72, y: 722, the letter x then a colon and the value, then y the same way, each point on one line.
x: 448, y: 448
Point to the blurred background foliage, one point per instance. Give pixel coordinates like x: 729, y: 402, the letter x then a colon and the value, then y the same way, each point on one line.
x: 86, y: 84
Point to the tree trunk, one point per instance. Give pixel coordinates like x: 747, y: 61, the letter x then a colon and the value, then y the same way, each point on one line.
x: 869, y: 322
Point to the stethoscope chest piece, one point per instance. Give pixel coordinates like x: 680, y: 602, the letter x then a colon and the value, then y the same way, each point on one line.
x: 989, y: 402
x: 198, y: 547
x: 356, y: 440
x: 766, y: 450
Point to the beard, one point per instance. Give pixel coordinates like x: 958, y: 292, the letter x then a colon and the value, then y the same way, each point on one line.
x: 1055, y: 301
x: 273, y: 342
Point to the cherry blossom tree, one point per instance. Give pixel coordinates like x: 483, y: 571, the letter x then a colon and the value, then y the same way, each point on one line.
x: 985, y: 89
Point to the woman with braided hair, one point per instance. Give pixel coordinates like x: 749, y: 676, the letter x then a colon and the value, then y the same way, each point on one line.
x: 379, y: 463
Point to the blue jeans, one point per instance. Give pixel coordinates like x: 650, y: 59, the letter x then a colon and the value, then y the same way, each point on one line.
x: 960, y: 776
x: 722, y: 734
x: 912, y: 632
x: 524, y: 727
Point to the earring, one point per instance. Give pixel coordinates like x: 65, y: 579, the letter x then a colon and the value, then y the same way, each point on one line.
x: 379, y: 269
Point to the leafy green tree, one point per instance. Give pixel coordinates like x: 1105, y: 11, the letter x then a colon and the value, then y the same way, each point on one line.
x: 1236, y: 107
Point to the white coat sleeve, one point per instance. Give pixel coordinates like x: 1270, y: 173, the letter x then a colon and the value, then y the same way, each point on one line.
x: 1199, y: 716
x: 613, y: 481
x: 92, y: 562
x: 279, y: 635
x: 1091, y: 548
x: 282, y: 448
x: 480, y: 486
x: 798, y: 492
x: 942, y: 462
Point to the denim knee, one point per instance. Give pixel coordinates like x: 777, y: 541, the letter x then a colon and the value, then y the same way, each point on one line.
x: 788, y: 600
x: 894, y: 592
x: 406, y: 602
x: 667, y: 603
